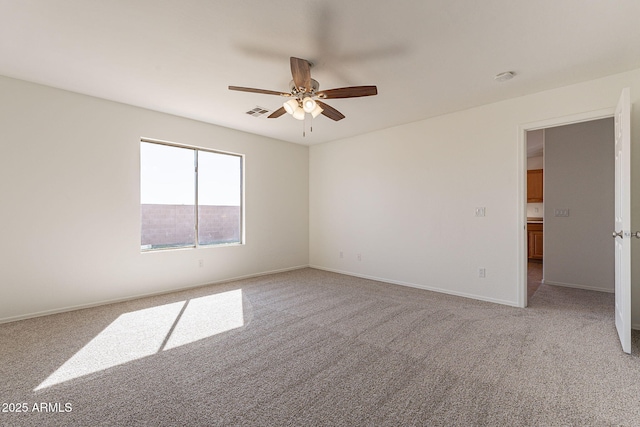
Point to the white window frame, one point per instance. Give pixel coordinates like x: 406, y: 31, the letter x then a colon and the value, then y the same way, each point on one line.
x: 197, y: 149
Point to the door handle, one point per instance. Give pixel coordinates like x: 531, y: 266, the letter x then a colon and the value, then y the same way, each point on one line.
x: 618, y: 234
x: 636, y: 234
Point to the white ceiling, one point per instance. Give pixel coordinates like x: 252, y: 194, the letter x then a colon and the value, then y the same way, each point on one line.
x: 427, y: 57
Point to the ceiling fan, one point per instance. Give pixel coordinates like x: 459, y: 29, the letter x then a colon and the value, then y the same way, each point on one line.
x: 306, y: 95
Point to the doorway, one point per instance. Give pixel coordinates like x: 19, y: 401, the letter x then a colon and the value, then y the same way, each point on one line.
x: 566, y: 213
x: 574, y: 230
x: 535, y: 210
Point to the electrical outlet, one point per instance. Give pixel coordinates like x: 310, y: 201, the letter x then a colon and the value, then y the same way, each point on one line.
x: 481, y: 211
x: 359, y: 257
x: 482, y: 272
x: 341, y: 254
x: 200, y: 263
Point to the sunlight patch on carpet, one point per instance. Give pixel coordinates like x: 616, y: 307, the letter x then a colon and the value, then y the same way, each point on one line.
x: 207, y: 316
x: 146, y: 332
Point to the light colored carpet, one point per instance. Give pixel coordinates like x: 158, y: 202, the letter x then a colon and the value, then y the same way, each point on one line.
x: 315, y: 348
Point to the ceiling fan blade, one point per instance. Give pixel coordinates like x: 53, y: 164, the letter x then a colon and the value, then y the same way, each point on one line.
x: 348, y: 92
x: 330, y: 112
x: 264, y: 91
x: 280, y: 111
x: 301, y: 72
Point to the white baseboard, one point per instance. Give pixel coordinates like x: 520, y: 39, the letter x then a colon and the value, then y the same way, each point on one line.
x: 151, y: 294
x: 573, y: 285
x: 415, y: 285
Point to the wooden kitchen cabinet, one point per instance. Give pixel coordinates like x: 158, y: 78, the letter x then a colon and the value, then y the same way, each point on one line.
x: 535, y: 185
x: 534, y: 239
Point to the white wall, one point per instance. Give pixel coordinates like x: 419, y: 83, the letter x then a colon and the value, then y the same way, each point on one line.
x: 535, y: 210
x: 405, y: 197
x: 579, y: 176
x: 535, y: 162
x: 70, y: 202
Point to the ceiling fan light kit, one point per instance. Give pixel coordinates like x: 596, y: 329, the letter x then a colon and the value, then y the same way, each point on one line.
x: 298, y: 114
x: 305, y: 94
x: 291, y: 105
x: 316, y: 111
x: 308, y: 104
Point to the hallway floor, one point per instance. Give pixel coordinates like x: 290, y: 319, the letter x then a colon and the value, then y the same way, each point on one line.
x: 534, y: 277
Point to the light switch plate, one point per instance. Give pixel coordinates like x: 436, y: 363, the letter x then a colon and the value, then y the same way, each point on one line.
x: 561, y: 212
x: 480, y: 211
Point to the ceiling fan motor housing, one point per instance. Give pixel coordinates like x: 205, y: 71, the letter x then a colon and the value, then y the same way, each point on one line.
x: 295, y: 91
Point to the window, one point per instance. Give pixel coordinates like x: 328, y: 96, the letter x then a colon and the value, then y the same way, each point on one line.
x: 189, y: 197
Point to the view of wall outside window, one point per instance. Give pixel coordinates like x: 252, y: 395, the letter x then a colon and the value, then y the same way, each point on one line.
x: 169, y: 182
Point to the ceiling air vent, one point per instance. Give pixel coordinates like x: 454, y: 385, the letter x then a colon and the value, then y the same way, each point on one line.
x: 258, y: 112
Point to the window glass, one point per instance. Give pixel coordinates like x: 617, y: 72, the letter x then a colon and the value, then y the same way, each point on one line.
x: 219, y: 196
x: 169, y: 177
x: 167, y: 196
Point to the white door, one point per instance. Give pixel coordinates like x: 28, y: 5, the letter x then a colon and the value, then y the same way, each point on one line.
x: 622, y: 233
